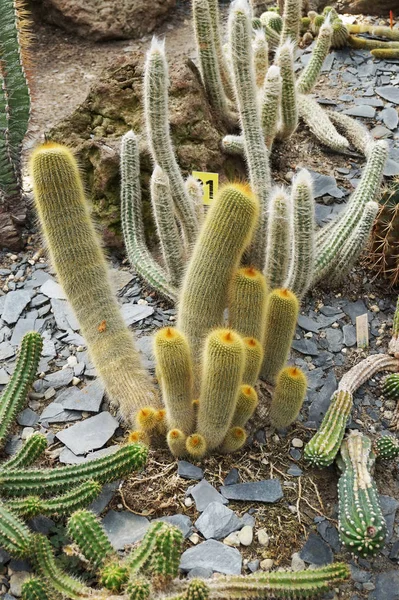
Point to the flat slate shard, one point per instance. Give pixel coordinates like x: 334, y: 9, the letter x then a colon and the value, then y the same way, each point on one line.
x: 90, y: 434
x: 269, y: 490
x: 52, y: 289
x: 212, y: 555
x: 124, y: 528
x: 136, y: 312
x: 87, y: 399
x: 316, y: 551
x: 14, y: 304
x: 217, y: 521
x: 389, y: 92
x: 183, y: 522
x: 186, y: 470
x: 204, y: 493
x: 59, y: 378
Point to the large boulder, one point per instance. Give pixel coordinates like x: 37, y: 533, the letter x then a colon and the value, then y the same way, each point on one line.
x: 380, y: 8
x: 103, y: 19
x: 115, y: 105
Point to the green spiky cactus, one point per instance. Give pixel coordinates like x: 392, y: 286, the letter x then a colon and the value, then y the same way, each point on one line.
x: 378, y: 31
x: 15, y: 393
x: 260, y: 51
x: 141, y: 555
x: 303, y: 249
x: 291, y: 20
x: 222, y: 371
x: 34, y: 589
x: 175, y: 372
x: 361, y: 525
x: 48, y: 481
x: 34, y: 447
x: 253, y: 361
x: 233, y: 144
x: 387, y: 447
x: 247, y: 402
x: 138, y: 588
x: 324, y: 445
x: 390, y: 386
x: 273, y: 20
x: 213, y: 6
x: 270, y: 100
x: 90, y: 537
x: 394, y: 343
x: 361, y: 43
x: 65, y: 504
x: 289, y: 105
x: 114, y: 576
x: 281, y: 317
x: 385, y: 234
x: 311, y: 72
x: 279, y: 236
x: 197, y: 590
x: 288, y: 396
x: 15, y: 537
x: 247, y: 303
x: 166, y: 556
x: 196, y: 446
x: 83, y: 273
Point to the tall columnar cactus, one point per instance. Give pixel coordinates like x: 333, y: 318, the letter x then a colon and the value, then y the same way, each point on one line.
x: 319, y: 124
x: 246, y: 404
x: 361, y: 525
x: 281, y: 317
x: 383, y: 255
x: 215, y: 258
x: 387, y: 447
x: 175, y: 371
x: 253, y: 361
x: 157, y: 124
x: 260, y: 50
x: 222, y: 371
x: 82, y: 270
x: 15, y: 393
x: 289, y: 107
x: 234, y: 439
x: 309, y: 75
x: 34, y: 447
x: 288, y: 396
x: 303, y: 247
x: 34, y: 589
x: 247, y: 303
x: 279, y: 238
x: 291, y: 20
x: 166, y: 556
x: 324, y: 445
x: 15, y: 537
x: 270, y: 100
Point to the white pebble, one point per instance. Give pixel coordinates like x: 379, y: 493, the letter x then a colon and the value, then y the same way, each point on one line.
x: 72, y: 360
x: 75, y: 381
x: 188, y: 502
x: 194, y: 538
x: 246, y: 535
x: 263, y: 537
x: 27, y: 432
x: 297, y: 564
x: 232, y: 539
x: 297, y: 443
x: 266, y: 564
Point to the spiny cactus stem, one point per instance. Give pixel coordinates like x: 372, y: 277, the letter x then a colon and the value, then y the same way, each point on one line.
x: 364, y: 370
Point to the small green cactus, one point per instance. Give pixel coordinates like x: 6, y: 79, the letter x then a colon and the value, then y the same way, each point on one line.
x: 34, y: 589
x: 390, y: 386
x: 114, y: 576
x: 387, y: 447
x: 165, y: 559
x: 197, y: 590
x: 138, y: 588
x: 34, y: 447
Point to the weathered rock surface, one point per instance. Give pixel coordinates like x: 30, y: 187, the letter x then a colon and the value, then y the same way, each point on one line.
x: 104, y: 19
x: 113, y: 106
x: 367, y: 7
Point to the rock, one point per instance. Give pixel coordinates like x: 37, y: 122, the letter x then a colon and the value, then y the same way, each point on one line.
x: 124, y: 528
x: 183, y: 522
x: 6, y: 350
x: 320, y: 404
x: 389, y: 507
x: 324, y: 185
x: 231, y: 477
x: 246, y: 535
x: 59, y: 379
x: 349, y: 332
x: 21, y: 327
x: 376, y: 102
x: 87, y: 399
x: 305, y: 347
x: 90, y: 434
x: 132, y: 313
x: 102, y: 501
x: 4, y: 556
x: 15, y: 303
x: 203, y: 494
x: 27, y: 418
x: 212, y: 555
x: 102, y: 20
x: 56, y: 413
x: 386, y: 586
x: 188, y: 471
x: 4, y: 377
x: 16, y: 580
x: 199, y: 573
x: 308, y: 324
x: 269, y: 490
x: 354, y: 309
x: 253, y: 565
x: 389, y: 92
x: 297, y: 443
x: 113, y: 106
x: 393, y: 555
x: 364, y: 111
x: 69, y: 458
x: 390, y: 117
x: 391, y: 168
x: 217, y: 521
x: 52, y: 289
x: 263, y: 537
x: 119, y: 279
x: 329, y: 533
x: 266, y: 564
x: 232, y: 540
x: 297, y: 564
x: 64, y: 315
x: 334, y: 340
x: 41, y: 524
x: 380, y: 132
x: 294, y: 471
x: 316, y: 551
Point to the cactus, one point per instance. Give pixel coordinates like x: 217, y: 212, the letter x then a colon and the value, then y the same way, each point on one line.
x: 138, y: 589
x: 197, y: 590
x: 141, y: 555
x: 281, y: 317
x: 114, y: 576
x: 174, y: 365
x: 288, y: 397
x: 340, y: 34
x: 357, y: 134
x: 247, y: 303
x: 233, y: 144
x: 289, y: 108
x: 253, y: 361
x: 364, y: 370
x: 386, y: 53
x: 223, y: 367
x: 176, y: 440
x: 390, y: 386
x: 34, y: 589
x: 278, y: 238
x: 320, y: 125
x: 166, y: 556
x: 247, y: 402
x: 392, y: 34
x: 234, y: 440
x: 311, y: 72
x: 387, y: 447
x: 34, y: 446
x: 366, y: 44
x: 146, y: 419
x: 394, y: 343
x: 89, y: 535
x: 82, y: 270
x: 291, y: 20
x: 15, y: 393
x: 196, y: 446
x: 361, y: 525
x: 260, y: 51
x: 324, y: 445
x: 270, y: 103
x: 48, y: 481
x: 383, y: 254
x: 215, y: 258
x: 15, y: 537
x: 273, y: 20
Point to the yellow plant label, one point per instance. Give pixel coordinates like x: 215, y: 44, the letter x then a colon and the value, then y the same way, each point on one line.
x: 362, y: 331
x: 210, y: 184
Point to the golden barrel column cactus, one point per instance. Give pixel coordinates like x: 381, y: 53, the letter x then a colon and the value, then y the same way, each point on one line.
x: 77, y: 256
x: 288, y: 396
x: 247, y: 303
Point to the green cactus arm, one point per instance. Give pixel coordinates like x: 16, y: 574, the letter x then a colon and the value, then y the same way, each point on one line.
x: 113, y: 576
x: 268, y: 25
x: 288, y: 397
x: 225, y: 234
x: 246, y: 404
x: 289, y: 105
x: 197, y: 590
x: 390, y: 386
x: 394, y: 343
x: 176, y: 441
x: 357, y: 133
x: 233, y: 144
x: 387, y: 447
x: 57, y: 580
x: 141, y: 556
x: 171, y: 246
x: 213, y: 6
x: 324, y: 445
x: 196, y: 446
x: 366, y: 369
x: 34, y: 447
x: 15, y: 537
x: 8, y: 175
x: 160, y: 142
x: 300, y: 273
x: 15, y: 393
x: 89, y: 535
x: 366, y: 44
x: 356, y: 243
x: 48, y: 481
x: 234, y: 440
x: 317, y: 21
x: 319, y: 124
x: 34, y: 589
x: 361, y: 525
x: 165, y: 559
x: 270, y: 100
x: 175, y: 369
x: 132, y: 221
x: 366, y: 190
x: 281, y: 317
x: 222, y: 371
x: 247, y: 303
x: 291, y: 20
x: 65, y: 504
x: 311, y: 72
x: 83, y: 273
x: 279, y: 238
x: 340, y: 34
x: 260, y: 50
x: 240, y: 40
x: 138, y: 588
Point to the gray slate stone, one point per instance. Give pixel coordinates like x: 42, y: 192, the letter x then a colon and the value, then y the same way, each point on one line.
x: 308, y: 324
x: 269, y: 491
x: 64, y: 315
x: 4, y: 377
x: 389, y: 507
x: 107, y: 493
x: 87, y: 399
x: 56, y: 413
x: 319, y: 405
x: 186, y: 470
x: 28, y: 418
x: 330, y: 534
x: 204, y: 493
x: 231, y: 477
x: 119, y: 279
x: 389, y: 92
x: 212, y: 555
x: 354, y: 309
x: 183, y: 522
x: 124, y: 528
x: 316, y: 551
x: 217, y: 521
x: 6, y: 350
x: 363, y: 110
x: 59, y: 378
x: 199, y: 573
x: 69, y: 458
x: 90, y: 434
x: 386, y: 586
x: 22, y: 326
x: 132, y: 313
x: 305, y: 346
x: 391, y: 168
x: 376, y: 102
x: 349, y: 332
x: 52, y: 289
x: 36, y: 279
x: 14, y: 304
x: 390, y: 117
x: 325, y: 185
x: 334, y: 340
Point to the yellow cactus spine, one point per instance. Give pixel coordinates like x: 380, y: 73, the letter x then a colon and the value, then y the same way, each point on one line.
x: 196, y: 445
x: 146, y: 419
x: 223, y: 368
x: 177, y: 442
x: 253, y: 360
x: 288, y: 397
x: 225, y: 234
x: 281, y: 317
x: 82, y: 271
x: 247, y: 402
x: 247, y: 305
x: 174, y: 364
x: 234, y: 440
